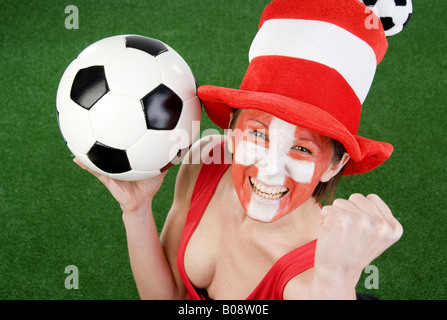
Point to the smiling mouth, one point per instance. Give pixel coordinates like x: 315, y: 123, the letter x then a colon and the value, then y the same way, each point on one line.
x: 267, y: 192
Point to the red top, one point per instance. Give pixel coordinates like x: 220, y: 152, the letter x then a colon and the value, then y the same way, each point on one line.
x: 283, y: 270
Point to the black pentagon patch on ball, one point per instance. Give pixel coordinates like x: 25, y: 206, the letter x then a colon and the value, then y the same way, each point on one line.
x: 400, y: 2
x: 162, y: 108
x: 109, y: 159
x: 151, y: 46
x: 387, y: 23
x: 369, y: 2
x: 89, y: 86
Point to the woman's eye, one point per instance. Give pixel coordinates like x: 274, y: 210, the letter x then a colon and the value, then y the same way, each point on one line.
x: 302, y: 149
x: 259, y: 134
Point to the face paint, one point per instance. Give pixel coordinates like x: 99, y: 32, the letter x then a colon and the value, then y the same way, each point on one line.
x: 276, y: 165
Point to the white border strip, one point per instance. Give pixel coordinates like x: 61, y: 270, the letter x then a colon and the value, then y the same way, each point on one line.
x: 320, y: 42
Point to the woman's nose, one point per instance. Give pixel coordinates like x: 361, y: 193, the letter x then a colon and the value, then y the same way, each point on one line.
x: 273, y: 163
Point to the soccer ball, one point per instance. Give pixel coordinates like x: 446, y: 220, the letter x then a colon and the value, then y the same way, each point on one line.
x: 127, y: 107
x: 394, y: 14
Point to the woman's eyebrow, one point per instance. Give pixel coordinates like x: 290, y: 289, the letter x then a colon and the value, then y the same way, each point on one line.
x: 259, y: 121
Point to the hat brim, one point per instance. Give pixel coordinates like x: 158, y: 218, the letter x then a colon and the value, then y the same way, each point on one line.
x: 365, y: 154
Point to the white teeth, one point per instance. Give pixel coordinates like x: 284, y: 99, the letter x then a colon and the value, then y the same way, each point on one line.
x: 266, y: 191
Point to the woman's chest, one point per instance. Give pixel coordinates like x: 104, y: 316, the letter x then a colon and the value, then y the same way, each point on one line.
x: 226, y: 257
x: 223, y: 264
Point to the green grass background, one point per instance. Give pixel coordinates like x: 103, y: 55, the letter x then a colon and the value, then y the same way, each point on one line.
x: 53, y: 214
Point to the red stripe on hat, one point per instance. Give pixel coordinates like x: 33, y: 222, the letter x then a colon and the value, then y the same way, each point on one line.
x: 305, y: 81
x: 350, y: 15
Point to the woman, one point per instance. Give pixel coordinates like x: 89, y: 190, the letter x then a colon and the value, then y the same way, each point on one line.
x: 231, y: 250
x: 248, y: 224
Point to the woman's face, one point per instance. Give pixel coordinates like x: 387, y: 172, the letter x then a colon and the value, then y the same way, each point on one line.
x: 276, y: 165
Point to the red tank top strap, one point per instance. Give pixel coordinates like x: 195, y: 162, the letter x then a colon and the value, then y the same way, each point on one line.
x: 287, y: 267
x: 209, y: 176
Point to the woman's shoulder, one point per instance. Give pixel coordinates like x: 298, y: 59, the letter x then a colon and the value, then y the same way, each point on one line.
x: 185, y: 182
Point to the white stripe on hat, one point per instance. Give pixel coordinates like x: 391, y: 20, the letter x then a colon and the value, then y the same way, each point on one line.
x: 320, y: 42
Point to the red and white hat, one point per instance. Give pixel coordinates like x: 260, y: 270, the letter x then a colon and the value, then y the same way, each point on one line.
x: 311, y: 64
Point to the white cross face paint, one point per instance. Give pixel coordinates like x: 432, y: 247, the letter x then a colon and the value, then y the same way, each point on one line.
x: 272, y: 162
x: 276, y: 165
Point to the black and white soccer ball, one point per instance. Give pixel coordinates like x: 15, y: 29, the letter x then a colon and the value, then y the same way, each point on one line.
x: 394, y: 14
x: 128, y: 107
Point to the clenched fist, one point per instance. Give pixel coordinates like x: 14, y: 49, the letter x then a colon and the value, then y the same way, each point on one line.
x: 353, y: 233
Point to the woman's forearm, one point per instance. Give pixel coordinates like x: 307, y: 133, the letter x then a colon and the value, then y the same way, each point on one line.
x: 150, y: 267
x: 327, y: 285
